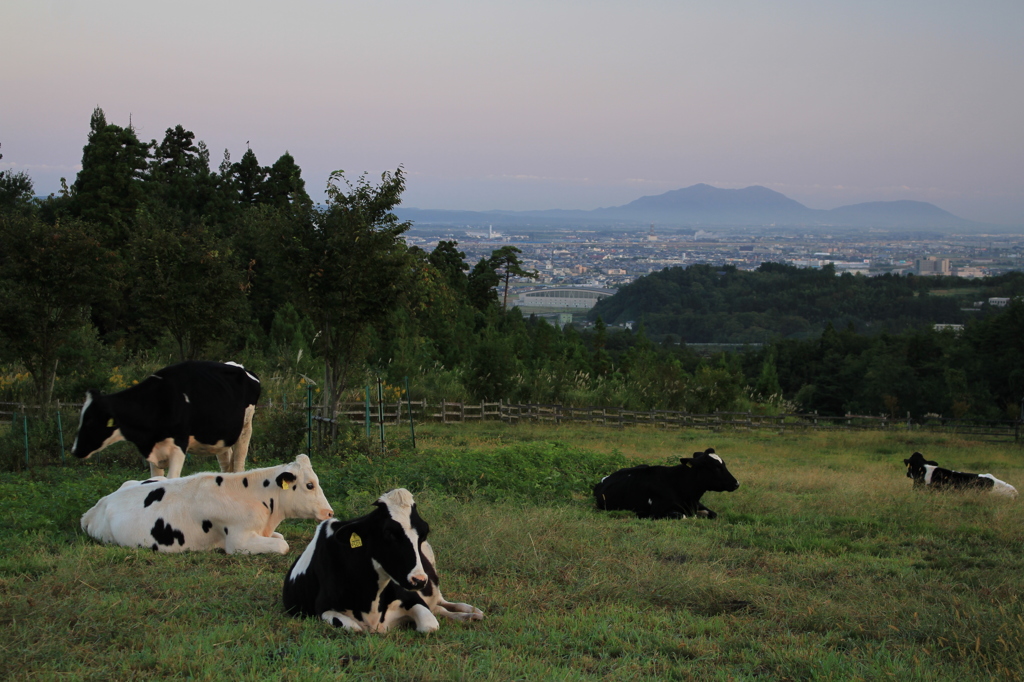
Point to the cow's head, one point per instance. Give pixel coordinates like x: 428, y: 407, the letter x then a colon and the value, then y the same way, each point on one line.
x: 97, y: 427
x: 712, y: 471
x: 396, y: 543
x: 916, y: 467
x: 301, y: 495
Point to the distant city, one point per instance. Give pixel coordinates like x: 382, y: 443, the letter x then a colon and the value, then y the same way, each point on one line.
x: 602, y: 258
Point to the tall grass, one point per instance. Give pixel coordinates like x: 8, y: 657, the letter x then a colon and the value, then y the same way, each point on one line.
x: 823, y: 565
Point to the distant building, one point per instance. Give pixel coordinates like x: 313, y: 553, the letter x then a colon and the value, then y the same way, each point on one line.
x: 955, y: 328
x: 970, y: 272
x: 933, y: 266
x: 562, y: 297
x: 998, y: 302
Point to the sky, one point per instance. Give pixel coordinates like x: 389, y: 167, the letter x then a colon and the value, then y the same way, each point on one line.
x: 528, y: 105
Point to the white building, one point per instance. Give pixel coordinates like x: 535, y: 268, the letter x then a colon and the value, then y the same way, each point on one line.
x: 562, y: 297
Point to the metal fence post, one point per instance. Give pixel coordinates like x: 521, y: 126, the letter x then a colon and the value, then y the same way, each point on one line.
x: 367, y: 420
x: 309, y: 420
x: 412, y: 424
x: 24, y: 424
x: 380, y: 411
x: 60, y: 435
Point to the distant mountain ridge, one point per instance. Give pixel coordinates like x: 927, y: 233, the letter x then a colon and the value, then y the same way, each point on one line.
x: 704, y: 205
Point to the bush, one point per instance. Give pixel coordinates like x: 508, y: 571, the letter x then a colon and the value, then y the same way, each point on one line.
x: 278, y: 435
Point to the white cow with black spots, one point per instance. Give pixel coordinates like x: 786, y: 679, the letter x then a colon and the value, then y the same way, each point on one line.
x: 236, y: 512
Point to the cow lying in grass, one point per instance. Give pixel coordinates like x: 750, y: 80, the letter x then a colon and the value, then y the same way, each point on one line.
x: 658, y: 492
x: 372, y: 573
x: 233, y: 512
x: 929, y: 474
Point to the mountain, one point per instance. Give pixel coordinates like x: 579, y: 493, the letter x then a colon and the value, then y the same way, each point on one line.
x: 704, y: 205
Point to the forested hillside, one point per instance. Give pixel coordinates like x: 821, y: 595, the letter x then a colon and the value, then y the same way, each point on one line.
x: 150, y: 256
x: 720, y: 304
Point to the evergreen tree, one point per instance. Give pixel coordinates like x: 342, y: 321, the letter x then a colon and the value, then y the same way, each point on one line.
x: 248, y: 178
x: 179, y: 175
x: 109, y: 188
x: 284, y: 185
x: 506, y: 264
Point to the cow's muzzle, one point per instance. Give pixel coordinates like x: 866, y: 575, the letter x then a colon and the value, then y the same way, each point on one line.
x: 324, y: 514
x: 417, y: 582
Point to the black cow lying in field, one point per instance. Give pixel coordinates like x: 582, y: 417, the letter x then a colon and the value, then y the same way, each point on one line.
x: 927, y: 473
x: 658, y: 492
x: 372, y: 573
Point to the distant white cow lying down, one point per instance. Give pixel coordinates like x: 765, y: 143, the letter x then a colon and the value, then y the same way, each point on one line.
x: 237, y: 512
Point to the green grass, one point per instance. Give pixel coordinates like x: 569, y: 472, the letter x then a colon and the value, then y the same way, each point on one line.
x: 823, y: 565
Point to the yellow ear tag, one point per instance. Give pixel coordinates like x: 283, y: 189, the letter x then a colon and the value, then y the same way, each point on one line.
x: 285, y: 485
x: 355, y: 541
x: 110, y: 423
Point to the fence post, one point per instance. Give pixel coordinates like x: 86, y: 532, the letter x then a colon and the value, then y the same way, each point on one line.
x: 309, y: 420
x: 380, y: 411
x: 412, y: 424
x: 60, y: 434
x: 366, y: 420
x: 24, y: 424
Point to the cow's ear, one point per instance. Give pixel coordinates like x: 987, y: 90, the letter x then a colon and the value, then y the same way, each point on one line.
x: 285, y: 480
x: 302, y: 460
x: 687, y: 462
x: 932, y: 462
x: 907, y: 462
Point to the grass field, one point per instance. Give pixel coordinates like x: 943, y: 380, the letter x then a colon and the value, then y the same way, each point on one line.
x: 824, y: 565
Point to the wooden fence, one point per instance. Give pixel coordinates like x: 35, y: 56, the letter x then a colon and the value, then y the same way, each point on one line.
x: 15, y: 417
x: 397, y: 413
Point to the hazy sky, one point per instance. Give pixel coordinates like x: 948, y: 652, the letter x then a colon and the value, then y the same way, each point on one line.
x: 551, y: 104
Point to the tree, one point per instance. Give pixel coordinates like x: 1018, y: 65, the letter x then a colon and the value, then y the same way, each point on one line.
x: 15, y: 190
x: 506, y: 264
x: 50, y: 276
x: 284, y: 185
x: 179, y: 175
x: 185, y: 284
x: 451, y: 263
x: 109, y: 187
x: 480, y: 285
x: 351, y: 266
x: 248, y: 177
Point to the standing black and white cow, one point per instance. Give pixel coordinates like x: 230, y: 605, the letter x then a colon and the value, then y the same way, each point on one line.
x: 927, y: 473
x: 372, y: 573
x: 191, y: 406
x: 236, y: 512
x: 658, y: 492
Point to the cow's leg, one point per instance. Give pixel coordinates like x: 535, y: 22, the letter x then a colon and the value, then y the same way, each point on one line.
x: 704, y: 511
x: 418, y: 613
x: 340, y: 620
x: 241, y: 542
x: 456, y: 610
x: 424, y: 619
x: 240, y: 450
x: 224, y: 459
x: 167, y: 454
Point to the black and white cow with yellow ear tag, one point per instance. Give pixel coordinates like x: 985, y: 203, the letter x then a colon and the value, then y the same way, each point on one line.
x: 372, y: 573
